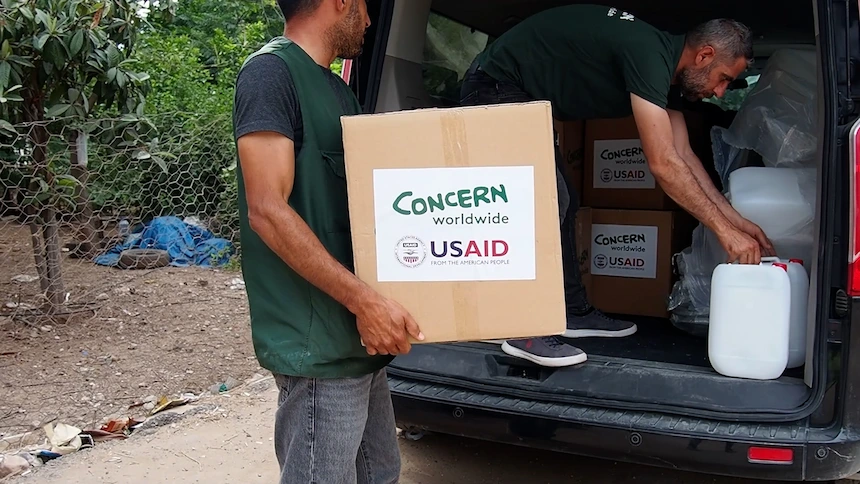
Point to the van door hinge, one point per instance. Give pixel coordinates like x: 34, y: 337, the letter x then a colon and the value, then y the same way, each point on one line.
x: 846, y: 105
x: 834, y: 331
x: 841, y: 308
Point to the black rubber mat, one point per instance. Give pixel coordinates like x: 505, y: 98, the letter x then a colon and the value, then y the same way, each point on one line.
x: 658, y: 341
x: 655, y: 340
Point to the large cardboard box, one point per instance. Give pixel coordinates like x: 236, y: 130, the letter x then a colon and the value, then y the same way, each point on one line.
x: 616, y: 171
x: 454, y: 214
x: 631, y: 259
x: 571, y: 144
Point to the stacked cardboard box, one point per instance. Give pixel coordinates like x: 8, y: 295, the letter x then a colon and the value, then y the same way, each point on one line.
x: 628, y: 228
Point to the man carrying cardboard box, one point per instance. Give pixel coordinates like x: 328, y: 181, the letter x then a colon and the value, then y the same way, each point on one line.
x: 592, y: 61
x: 309, y: 312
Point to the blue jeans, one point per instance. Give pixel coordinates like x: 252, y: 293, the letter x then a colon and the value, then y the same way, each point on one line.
x: 481, y: 89
x: 336, y: 431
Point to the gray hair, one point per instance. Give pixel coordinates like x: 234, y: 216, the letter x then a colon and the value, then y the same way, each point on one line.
x: 730, y: 38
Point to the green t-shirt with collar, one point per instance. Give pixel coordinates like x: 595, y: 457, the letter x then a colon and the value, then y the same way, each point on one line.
x: 586, y: 60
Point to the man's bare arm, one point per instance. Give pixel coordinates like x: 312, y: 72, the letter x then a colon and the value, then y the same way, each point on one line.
x: 685, y: 151
x: 682, y: 146
x: 268, y: 169
x: 670, y: 170
x: 677, y: 180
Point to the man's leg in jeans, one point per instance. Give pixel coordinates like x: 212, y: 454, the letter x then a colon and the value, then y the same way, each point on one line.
x: 338, y: 431
x: 479, y: 89
x: 378, y: 458
x: 583, y: 320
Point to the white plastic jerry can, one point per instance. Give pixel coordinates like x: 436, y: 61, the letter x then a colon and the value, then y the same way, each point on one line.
x: 799, y: 279
x: 749, y: 328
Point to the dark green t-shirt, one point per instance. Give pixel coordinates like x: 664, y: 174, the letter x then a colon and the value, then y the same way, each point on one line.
x: 586, y: 59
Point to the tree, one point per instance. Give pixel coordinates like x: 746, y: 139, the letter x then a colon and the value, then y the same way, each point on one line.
x: 62, y: 63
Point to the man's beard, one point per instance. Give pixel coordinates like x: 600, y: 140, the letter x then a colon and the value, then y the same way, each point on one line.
x: 347, y: 36
x: 694, y: 83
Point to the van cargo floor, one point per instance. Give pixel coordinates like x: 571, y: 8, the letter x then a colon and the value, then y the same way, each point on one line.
x: 658, y: 368
x: 655, y: 340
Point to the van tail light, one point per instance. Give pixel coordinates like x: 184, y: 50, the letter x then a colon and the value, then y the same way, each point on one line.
x: 854, y: 209
x: 770, y: 455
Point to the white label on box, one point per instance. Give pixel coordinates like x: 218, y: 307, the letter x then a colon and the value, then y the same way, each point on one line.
x: 621, y: 163
x: 624, y: 251
x: 455, y: 224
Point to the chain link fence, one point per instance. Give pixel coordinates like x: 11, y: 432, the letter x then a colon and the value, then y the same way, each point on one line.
x: 75, y: 198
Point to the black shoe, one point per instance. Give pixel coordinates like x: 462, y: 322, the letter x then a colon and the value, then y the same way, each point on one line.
x: 595, y: 324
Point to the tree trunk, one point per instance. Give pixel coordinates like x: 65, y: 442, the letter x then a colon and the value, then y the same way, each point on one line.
x: 38, y: 249
x: 53, y: 282
x: 89, y: 227
x: 56, y: 292
x: 51, y: 278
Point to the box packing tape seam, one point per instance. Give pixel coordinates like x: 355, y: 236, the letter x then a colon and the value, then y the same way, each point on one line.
x: 456, y: 152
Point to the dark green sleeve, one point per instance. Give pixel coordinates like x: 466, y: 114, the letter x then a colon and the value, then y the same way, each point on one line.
x: 646, y: 75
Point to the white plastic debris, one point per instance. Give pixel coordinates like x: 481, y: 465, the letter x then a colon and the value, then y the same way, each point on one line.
x: 64, y: 438
x: 24, y: 279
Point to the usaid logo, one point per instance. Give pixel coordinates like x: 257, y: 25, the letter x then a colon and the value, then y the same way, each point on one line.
x: 410, y: 251
x: 606, y: 175
x: 600, y: 261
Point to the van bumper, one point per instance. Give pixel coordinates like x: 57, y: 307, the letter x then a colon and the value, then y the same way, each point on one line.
x: 710, y: 447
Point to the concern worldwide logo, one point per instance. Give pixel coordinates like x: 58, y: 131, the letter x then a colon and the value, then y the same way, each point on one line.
x: 410, y: 251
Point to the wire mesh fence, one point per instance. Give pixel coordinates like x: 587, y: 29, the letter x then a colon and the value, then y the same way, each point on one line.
x: 124, y: 193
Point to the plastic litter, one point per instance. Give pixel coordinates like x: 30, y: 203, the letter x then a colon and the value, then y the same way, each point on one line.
x: 165, y: 403
x: 24, y: 279
x: 64, y: 439
x: 228, y: 385
x: 186, y: 244
x: 11, y: 465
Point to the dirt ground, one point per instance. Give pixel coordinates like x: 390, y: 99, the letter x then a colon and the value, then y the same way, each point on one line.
x: 228, y: 439
x: 129, y: 336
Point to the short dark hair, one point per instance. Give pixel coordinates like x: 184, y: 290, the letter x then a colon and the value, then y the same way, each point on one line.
x: 291, y: 8
x: 730, y: 38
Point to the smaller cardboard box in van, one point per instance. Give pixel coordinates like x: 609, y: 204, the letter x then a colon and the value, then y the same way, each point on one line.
x: 631, y: 259
x: 616, y: 171
x: 454, y: 214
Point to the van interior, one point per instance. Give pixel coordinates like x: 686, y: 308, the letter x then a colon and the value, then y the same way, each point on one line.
x: 664, y: 367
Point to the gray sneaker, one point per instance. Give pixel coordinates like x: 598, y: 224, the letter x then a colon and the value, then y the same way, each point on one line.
x: 549, y: 351
x: 595, y: 324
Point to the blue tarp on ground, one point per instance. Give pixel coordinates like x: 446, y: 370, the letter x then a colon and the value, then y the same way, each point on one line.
x: 186, y: 244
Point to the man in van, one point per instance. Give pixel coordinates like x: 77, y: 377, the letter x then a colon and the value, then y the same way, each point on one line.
x: 325, y: 335
x: 592, y: 61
